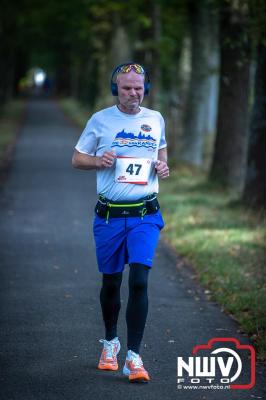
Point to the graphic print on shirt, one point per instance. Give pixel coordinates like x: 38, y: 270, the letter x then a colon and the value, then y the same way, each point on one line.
x: 129, y: 139
x: 146, y: 128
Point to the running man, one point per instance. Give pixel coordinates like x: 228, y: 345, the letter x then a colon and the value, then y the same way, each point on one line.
x: 126, y: 145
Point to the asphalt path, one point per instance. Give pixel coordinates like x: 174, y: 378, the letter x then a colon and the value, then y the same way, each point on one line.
x: 49, y: 286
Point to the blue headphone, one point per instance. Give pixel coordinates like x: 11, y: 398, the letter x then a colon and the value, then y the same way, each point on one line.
x: 147, y: 83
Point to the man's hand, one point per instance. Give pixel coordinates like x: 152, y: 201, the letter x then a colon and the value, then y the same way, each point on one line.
x: 85, y: 161
x: 162, y: 169
x: 106, y: 160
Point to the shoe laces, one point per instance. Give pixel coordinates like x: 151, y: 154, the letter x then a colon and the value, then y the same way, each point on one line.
x: 109, y: 346
x: 135, y: 358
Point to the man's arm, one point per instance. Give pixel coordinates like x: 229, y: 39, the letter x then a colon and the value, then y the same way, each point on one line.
x: 162, y: 154
x: 161, y: 165
x: 84, y: 161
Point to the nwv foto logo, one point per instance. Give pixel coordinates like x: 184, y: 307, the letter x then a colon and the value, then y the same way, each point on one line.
x: 223, y: 365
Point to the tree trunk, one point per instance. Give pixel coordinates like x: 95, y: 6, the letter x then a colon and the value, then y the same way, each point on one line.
x: 199, y: 87
x: 120, y: 49
x: 229, y: 160
x: 255, y: 183
x: 88, y: 81
x: 20, y: 69
x: 176, y: 97
x: 63, y: 71
x: 213, y: 76
x: 155, y: 71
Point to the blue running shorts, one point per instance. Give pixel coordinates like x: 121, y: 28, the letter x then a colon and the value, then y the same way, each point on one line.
x: 126, y: 240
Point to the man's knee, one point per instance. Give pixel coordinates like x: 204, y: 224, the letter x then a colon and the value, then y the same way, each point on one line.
x: 112, y: 282
x: 138, y: 277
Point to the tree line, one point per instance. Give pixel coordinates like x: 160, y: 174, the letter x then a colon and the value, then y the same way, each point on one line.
x: 206, y: 60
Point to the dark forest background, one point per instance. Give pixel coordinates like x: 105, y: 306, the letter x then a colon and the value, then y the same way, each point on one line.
x: 206, y: 60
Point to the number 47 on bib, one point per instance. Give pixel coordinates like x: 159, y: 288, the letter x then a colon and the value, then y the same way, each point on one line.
x: 132, y: 170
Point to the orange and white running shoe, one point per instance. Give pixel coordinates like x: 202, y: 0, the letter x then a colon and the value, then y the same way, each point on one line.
x: 134, y: 368
x: 108, y: 358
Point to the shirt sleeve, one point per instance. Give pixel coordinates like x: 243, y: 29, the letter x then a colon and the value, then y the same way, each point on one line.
x: 162, y: 143
x: 87, y: 142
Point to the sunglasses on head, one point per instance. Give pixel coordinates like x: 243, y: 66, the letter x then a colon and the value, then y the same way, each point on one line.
x: 127, y: 68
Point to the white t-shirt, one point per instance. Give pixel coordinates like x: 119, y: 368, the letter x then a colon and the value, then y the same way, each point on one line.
x: 135, y: 139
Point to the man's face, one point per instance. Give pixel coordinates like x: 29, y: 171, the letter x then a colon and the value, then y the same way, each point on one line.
x: 130, y: 91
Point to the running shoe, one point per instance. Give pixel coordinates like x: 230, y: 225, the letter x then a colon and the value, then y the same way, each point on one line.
x: 134, y: 368
x: 108, y: 358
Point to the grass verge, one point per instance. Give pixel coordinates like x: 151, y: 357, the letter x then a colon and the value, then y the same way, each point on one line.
x: 10, y: 120
x: 225, y: 244
x: 78, y: 113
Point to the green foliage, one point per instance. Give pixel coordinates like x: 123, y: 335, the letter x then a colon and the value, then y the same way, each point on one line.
x: 257, y: 26
x: 81, y: 32
x: 84, y: 29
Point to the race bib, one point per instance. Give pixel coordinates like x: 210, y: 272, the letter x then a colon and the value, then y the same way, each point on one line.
x: 132, y: 170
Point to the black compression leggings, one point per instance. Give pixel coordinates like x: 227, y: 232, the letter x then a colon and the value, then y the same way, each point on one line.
x: 137, y: 306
